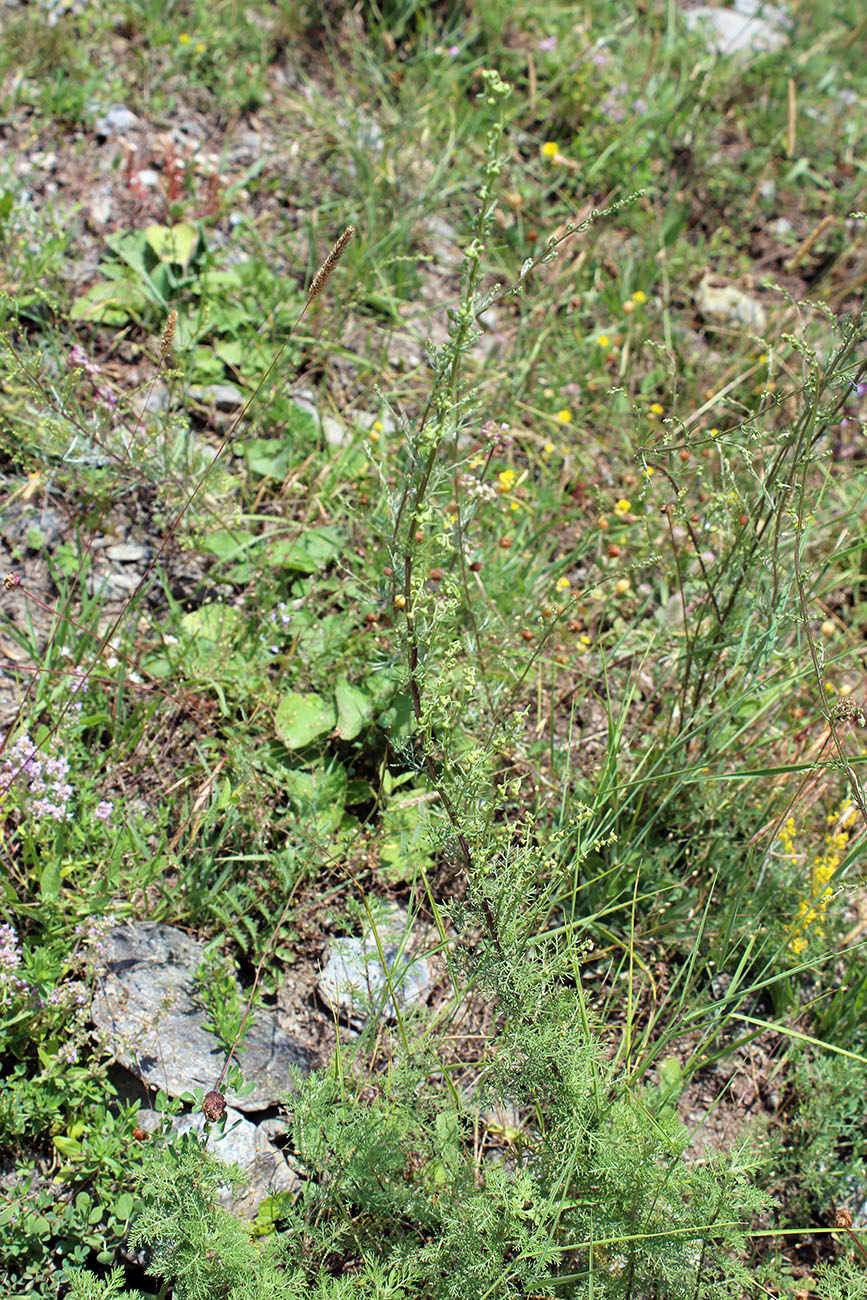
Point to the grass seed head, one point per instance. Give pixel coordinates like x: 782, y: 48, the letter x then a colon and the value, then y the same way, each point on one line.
x: 323, y: 275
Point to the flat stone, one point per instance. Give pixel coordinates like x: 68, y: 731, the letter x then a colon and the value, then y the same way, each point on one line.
x: 129, y: 552
x: 240, y: 1143
x: 750, y: 27
x: 116, y: 120
x: 354, y: 981
x: 721, y: 303
x: 149, y: 1016
x: 226, y: 397
x: 37, y: 529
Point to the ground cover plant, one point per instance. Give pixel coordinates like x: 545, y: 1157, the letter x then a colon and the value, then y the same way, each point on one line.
x: 505, y: 562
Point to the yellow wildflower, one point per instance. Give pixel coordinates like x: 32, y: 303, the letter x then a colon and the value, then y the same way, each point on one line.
x: 505, y: 481
x: 655, y: 410
x: 563, y: 417
x: 622, y: 586
x: 563, y: 584
x: 603, y: 341
x: 639, y: 296
x: 184, y: 38
x: 622, y: 507
x: 550, y: 150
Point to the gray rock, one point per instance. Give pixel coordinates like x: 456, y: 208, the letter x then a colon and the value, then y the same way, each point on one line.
x: 116, y: 120
x: 25, y: 525
x: 241, y: 1143
x: 354, y: 981
x: 100, y: 207
x: 129, y: 552
x: 111, y: 586
x: 149, y: 1017
x: 225, y: 397
x: 334, y: 431
x: 721, y: 303
x: 750, y: 27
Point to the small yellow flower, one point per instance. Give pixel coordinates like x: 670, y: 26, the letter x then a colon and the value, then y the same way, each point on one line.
x: 564, y: 416
x: 585, y: 641
x: 622, y: 586
x: 603, y: 341
x: 828, y: 628
x: 655, y: 410
x: 798, y: 945
x: 373, y: 435
x: 622, y: 507
x: 548, y: 451
x: 649, y: 471
x: 505, y: 481
x: 563, y: 584
x: 550, y: 150
x: 184, y: 38
x: 830, y: 688
x: 200, y: 47
x: 476, y: 462
x: 639, y: 296
x: 514, y: 505
x: 377, y: 425
x: 713, y: 433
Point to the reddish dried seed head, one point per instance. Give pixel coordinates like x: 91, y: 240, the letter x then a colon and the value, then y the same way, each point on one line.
x: 213, y: 1105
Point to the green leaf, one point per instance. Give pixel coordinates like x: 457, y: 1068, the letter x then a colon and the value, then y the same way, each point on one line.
x: 226, y: 545
x: 268, y: 457
x: 313, y: 551
x: 354, y: 709
x: 300, y: 719
x: 318, y: 797
x: 212, y: 622
x: 109, y: 302
x: 122, y: 1207
x: 175, y: 244
x: 67, y: 1146
x: 231, y: 352
x: 49, y: 881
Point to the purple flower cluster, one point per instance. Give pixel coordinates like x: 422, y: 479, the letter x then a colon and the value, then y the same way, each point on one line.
x: 79, y: 360
x: 614, y: 104
x: 45, y: 777
x: 497, y: 435
x: 93, y: 934
x: 281, y: 617
x: 10, y: 960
